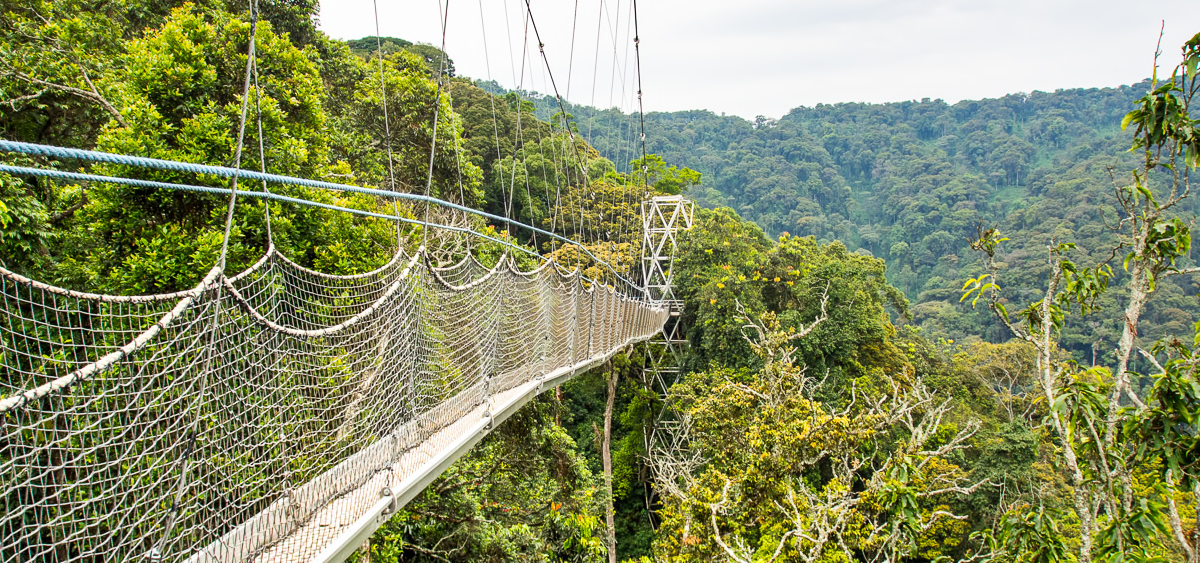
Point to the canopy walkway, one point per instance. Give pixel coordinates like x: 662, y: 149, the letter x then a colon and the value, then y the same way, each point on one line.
x: 279, y: 414
x: 283, y: 414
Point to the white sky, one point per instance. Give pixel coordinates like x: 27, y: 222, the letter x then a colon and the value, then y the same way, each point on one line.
x: 751, y: 57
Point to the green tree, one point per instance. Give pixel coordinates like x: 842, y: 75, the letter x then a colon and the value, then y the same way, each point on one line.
x: 652, y: 170
x: 1087, y: 406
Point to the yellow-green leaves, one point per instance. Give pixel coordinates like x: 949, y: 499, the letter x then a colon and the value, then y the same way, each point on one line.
x: 977, y: 287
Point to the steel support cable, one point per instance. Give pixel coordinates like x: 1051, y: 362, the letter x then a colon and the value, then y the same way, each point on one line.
x: 541, y: 143
x: 529, y: 207
x: 570, y: 74
x: 551, y: 210
x: 387, y: 130
x: 623, y: 66
x: 619, y: 195
x: 615, y: 33
x: 517, y: 138
x: 143, y: 162
x: 558, y: 161
x: 637, y: 54
x: 557, y: 96
x: 182, y: 485
x: 237, y: 153
x: 567, y: 169
x: 562, y: 169
x: 462, y: 198
x: 592, y: 102
x: 549, y: 71
x: 562, y: 177
x: 262, y: 154
x: 275, y: 301
x: 495, y: 124
x: 625, y: 83
x: 437, y: 104
x: 444, y: 18
x: 644, y: 193
x: 571, y: 65
x: 612, y: 79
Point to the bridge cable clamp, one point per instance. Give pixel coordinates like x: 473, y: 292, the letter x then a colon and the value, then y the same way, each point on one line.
x: 391, y: 509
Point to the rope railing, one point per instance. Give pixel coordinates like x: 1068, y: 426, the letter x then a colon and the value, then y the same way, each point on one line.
x: 265, y: 425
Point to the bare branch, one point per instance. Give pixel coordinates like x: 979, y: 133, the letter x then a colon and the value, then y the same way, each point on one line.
x: 714, y: 508
x: 1178, y: 271
x: 956, y: 443
x: 955, y: 489
x: 1176, y: 523
x: 93, y: 95
x: 70, y: 211
x: 805, y: 330
x: 27, y: 97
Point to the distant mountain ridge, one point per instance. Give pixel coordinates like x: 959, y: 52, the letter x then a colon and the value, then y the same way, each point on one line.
x: 911, y: 181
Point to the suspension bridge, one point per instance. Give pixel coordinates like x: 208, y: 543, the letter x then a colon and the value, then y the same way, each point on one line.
x: 280, y: 413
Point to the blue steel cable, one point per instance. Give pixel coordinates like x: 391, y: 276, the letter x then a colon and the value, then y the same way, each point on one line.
x: 222, y: 171
x: 83, y: 177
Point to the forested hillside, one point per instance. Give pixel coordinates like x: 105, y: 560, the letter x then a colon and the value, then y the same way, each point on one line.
x: 910, y: 182
x: 918, y: 332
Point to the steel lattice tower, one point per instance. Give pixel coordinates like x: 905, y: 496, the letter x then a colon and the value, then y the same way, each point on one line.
x: 663, y: 219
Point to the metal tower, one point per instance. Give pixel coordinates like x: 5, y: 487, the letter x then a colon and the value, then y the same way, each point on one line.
x: 663, y: 218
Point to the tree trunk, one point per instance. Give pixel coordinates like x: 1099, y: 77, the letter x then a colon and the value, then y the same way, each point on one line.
x: 606, y: 459
x: 1196, y: 530
x: 1182, y: 535
x: 1139, y: 294
x: 558, y: 396
x: 1049, y: 385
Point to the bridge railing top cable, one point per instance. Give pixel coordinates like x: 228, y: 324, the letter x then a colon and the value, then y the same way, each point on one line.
x: 54, y: 152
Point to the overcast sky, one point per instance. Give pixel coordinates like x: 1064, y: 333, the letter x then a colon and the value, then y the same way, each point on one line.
x: 764, y: 57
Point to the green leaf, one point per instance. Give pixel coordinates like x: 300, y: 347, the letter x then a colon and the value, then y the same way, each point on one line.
x: 1145, y: 192
x: 1129, y: 117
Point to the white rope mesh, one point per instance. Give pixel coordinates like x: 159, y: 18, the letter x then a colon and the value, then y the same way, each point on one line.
x: 258, y: 425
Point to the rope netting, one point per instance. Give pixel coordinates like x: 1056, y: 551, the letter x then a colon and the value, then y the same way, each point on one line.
x: 254, y: 417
